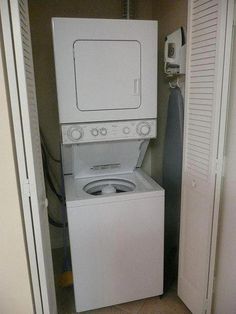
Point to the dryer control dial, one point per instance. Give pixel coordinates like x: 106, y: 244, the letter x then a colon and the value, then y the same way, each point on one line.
x: 143, y: 128
x: 75, y: 133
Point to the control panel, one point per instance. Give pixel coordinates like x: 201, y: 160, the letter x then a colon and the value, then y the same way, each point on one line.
x: 108, y: 131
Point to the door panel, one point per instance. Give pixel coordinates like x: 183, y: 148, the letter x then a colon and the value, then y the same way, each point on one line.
x: 25, y: 120
x: 205, y: 101
x: 196, y: 217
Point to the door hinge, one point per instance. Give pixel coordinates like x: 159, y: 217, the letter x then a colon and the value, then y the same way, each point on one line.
x: 218, y: 166
x: 27, y: 188
x: 205, y: 306
x: 223, y: 166
x: 46, y: 203
x: 214, y: 285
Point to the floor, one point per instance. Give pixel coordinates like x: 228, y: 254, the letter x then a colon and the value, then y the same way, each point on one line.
x: 168, y: 304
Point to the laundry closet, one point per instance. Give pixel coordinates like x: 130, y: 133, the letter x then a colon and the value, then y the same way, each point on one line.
x: 100, y: 228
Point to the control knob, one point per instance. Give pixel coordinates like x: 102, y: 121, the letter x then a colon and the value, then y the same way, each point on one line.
x: 103, y: 131
x: 94, y: 132
x: 75, y: 133
x: 143, y: 128
x: 126, y: 130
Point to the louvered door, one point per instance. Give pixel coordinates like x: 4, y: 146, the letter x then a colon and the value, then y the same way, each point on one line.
x: 17, y: 41
x: 206, y: 100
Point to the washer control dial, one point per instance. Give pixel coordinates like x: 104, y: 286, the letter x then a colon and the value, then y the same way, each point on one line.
x: 75, y: 133
x: 103, y: 131
x: 143, y: 128
x: 94, y: 132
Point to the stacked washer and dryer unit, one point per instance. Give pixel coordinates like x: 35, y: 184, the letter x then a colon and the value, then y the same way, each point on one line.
x: 106, y: 72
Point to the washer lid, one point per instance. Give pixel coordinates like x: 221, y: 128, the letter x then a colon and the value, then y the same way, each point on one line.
x: 94, y: 159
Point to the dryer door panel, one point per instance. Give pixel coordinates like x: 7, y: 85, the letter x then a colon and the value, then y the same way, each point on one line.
x: 107, y: 74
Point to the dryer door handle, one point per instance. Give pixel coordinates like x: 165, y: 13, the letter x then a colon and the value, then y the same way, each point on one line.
x: 137, y: 86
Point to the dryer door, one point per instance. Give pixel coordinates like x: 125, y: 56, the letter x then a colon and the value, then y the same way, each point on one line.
x: 107, y: 74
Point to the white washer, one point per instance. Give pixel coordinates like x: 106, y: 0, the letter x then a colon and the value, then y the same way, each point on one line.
x: 116, y: 238
x: 115, y: 215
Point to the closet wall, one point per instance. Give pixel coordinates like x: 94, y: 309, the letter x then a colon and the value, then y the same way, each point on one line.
x: 170, y: 15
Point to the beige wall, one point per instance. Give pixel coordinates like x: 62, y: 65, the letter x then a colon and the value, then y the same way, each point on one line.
x: 41, y: 12
x: 170, y: 15
x: 225, y: 289
x: 15, y: 290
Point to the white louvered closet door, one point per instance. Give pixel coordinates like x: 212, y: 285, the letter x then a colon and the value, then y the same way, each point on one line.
x: 208, y: 53
x: 17, y: 41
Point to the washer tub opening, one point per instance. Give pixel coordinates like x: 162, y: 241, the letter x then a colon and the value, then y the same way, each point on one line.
x: 109, y: 186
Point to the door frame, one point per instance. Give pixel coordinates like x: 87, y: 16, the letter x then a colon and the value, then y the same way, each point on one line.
x: 22, y: 164
x: 220, y: 154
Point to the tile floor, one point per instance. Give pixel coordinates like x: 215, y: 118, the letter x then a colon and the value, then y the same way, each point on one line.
x: 168, y: 304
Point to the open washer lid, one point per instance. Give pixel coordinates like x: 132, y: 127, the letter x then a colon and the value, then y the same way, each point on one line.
x: 95, y: 159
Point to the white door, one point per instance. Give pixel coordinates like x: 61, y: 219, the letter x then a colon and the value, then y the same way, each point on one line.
x: 20, y: 74
x: 208, y: 54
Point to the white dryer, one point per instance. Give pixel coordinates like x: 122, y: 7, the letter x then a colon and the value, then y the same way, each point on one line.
x: 105, y: 69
